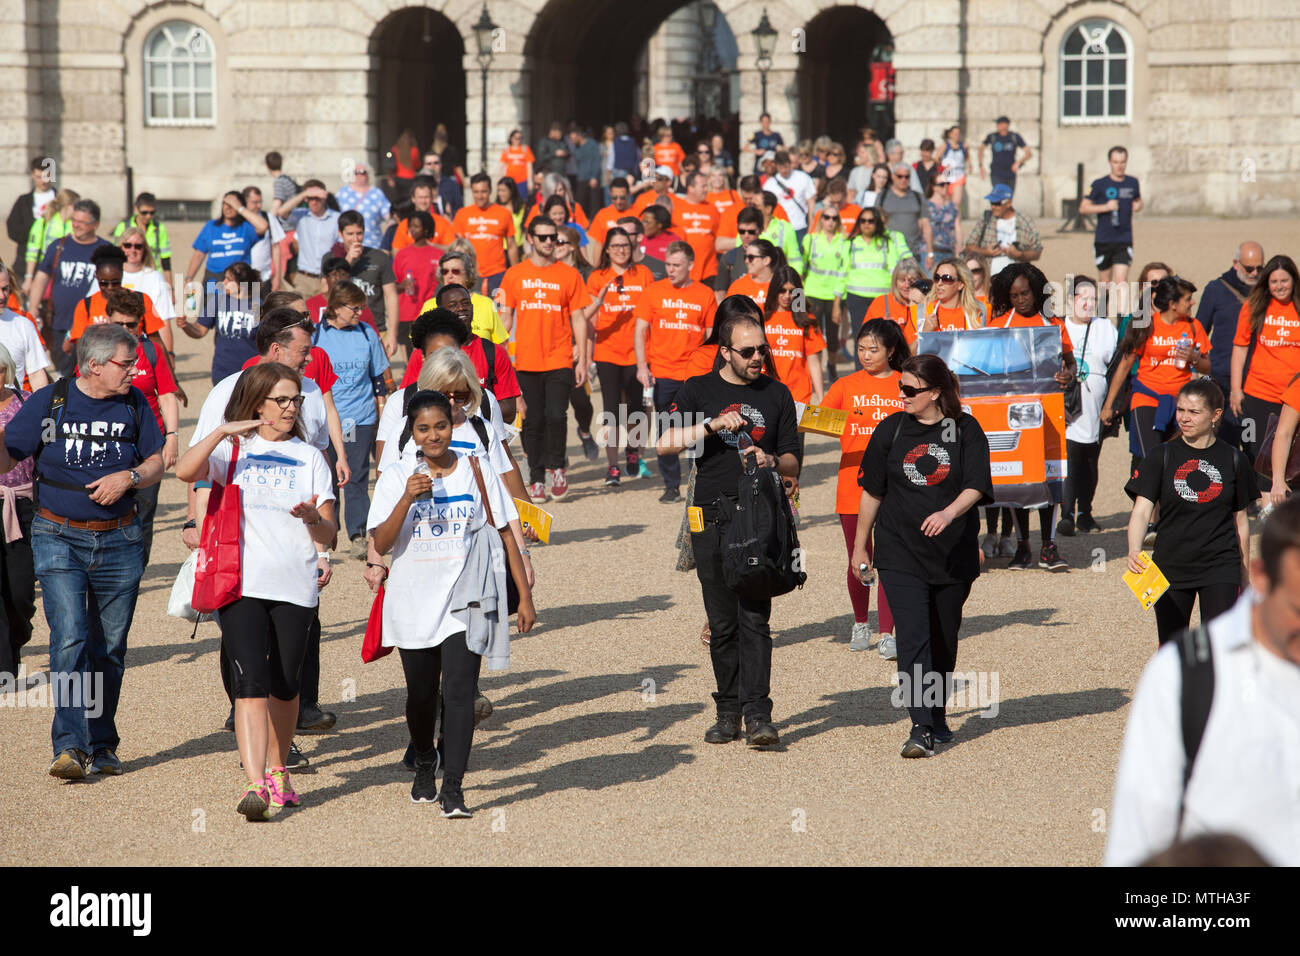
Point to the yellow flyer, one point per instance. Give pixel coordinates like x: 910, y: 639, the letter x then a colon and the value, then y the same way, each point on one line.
x: 1149, y: 585
x: 535, y: 517
x: 824, y: 421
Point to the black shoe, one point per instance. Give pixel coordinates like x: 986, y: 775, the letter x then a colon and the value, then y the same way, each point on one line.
x: 942, y: 732
x: 1024, y: 558
x: 453, y: 801
x: 589, y: 447
x: 106, y: 763
x: 724, y: 731
x: 313, y: 720
x: 1066, y: 527
x: 408, y: 758
x: 613, y: 477
x: 920, y: 743
x: 425, y: 787
x: 296, y: 760
x: 1086, y: 525
x: 1050, y: 558
x: 482, y: 709
x: 670, y: 496
x: 230, y: 721
x: 760, y: 733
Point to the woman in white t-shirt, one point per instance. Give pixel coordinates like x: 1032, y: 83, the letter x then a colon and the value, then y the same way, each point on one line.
x: 288, y: 519
x: 446, y: 593
x: 1094, y: 340
x: 139, y: 275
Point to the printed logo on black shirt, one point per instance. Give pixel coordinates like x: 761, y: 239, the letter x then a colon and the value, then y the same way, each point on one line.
x: 757, y: 424
x: 1197, y: 481
x: 926, y: 464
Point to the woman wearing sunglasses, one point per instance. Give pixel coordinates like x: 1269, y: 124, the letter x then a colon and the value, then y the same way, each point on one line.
x: 824, y: 255
x: 286, y: 522
x: 793, y: 336
x: 1270, y: 325
x: 872, y: 255
x: 924, y: 472
x: 951, y: 305
x: 761, y: 258
x: 904, y: 299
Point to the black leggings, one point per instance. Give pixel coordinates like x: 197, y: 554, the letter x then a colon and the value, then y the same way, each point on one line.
x: 1255, y: 411
x: 1149, y: 438
x: 308, y: 680
x: 1081, y: 477
x: 1045, y: 527
x: 823, y: 312
x: 1174, y: 609
x: 991, y: 515
x: 547, y: 395
x: 621, y: 394
x: 583, y: 411
x: 266, y: 642
x: 458, y: 668
x: 927, y: 619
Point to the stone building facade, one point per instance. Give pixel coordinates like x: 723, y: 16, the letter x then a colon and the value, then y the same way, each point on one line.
x: 1203, y: 94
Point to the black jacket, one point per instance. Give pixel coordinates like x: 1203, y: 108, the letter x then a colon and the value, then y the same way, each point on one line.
x: 20, y: 222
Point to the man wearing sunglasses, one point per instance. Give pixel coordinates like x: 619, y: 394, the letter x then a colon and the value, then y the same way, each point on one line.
x: 1220, y: 306
x: 1005, y: 235
x: 731, y: 265
x: 739, y: 408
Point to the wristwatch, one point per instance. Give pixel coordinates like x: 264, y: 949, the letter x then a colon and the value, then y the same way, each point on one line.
x: 707, y: 429
x: 135, y: 477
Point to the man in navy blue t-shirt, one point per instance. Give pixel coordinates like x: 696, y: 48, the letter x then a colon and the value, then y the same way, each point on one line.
x: 763, y: 139
x: 1113, y: 199
x: 94, y: 449
x: 1005, y: 163
x: 67, y: 268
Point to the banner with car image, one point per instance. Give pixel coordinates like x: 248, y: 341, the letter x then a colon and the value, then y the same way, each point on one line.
x: 1008, y: 385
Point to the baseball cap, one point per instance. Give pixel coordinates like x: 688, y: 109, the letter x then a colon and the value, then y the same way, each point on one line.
x: 664, y: 171
x: 1001, y: 193
x: 770, y: 154
x: 1002, y: 119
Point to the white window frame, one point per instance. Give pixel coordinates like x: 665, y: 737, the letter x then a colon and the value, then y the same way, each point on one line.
x: 192, y: 31
x: 1096, y: 31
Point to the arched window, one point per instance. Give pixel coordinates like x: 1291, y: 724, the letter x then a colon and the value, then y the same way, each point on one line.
x: 1096, y: 73
x: 179, y: 76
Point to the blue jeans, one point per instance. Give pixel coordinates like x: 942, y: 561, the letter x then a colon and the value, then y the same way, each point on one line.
x: 670, y: 466
x: 89, y: 583
x: 355, y: 494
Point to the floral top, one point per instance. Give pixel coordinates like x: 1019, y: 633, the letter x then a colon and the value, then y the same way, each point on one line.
x: 21, y: 474
x: 943, y: 224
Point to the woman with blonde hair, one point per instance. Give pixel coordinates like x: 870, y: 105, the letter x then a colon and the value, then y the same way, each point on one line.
x: 54, y: 223
x: 140, y: 275
x: 952, y: 305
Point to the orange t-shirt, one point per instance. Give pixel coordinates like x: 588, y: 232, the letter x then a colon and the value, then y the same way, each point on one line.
x: 727, y: 222
x: 604, y: 220
x: 725, y: 200
x: 1291, y: 396
x: 649, y: 196
x: 950, y: 320
x: 516, y: 159
x: 1277, y: 351
x: 575, y: 208
x: 848, y: 216
x: 616, y: 319
x: 869, y: 401
x: 486, y: 229
x: 701, y: 361
x: 444, y: 234
x: 680, y: 320
x: 669, y: 154
x: 897, y: 312
x: 1014, y: 320
x: 543, y: 297
x: 792, y: 348
x: 698, y: 225
x: 745, y: 285
x: 91, y: 311
x: 1156, y: 368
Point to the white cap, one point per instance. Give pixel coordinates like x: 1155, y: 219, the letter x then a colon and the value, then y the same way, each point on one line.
x: 664, y: 171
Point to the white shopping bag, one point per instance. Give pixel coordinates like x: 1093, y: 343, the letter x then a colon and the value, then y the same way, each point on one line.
x: 183, y: 591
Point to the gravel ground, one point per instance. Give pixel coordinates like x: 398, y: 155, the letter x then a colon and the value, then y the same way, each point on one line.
x: 595, y: 754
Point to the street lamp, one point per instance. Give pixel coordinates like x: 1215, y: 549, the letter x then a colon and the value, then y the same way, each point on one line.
x: 765, y: 42
x: 484, y: 32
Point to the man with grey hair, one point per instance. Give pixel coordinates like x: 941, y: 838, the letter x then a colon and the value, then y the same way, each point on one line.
x: 1220, y: 305
x: 66, y: 270
x: 95, y: 442
x: 894, y: 156
x: 907, y: 213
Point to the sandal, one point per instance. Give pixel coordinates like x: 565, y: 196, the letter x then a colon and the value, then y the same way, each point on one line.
x: 704, y: 635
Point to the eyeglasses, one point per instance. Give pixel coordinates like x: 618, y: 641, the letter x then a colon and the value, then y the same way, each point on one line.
x: 1252, y: 270
x: 562, y: 242
x: 284, y: 401
x: 453, y: 271
x: 459, y: 397
x: 870, y: 221
x: 901, y: 176
x: 133, y: 245
x: 619, y: 245
x: 944, y: 278
x: 110, y: 283
x: 123, y: 365
x: 911, y: 391
x: 748, y: 353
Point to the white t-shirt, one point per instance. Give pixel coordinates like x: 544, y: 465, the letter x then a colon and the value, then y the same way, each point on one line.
x: 796, y: 193
x: 315, y: 425
x: 1006, y: 236
x: 152, y: 284
x: 277, y: 554
x: 259, y: 257
x: 1102, y: 342
x: 463, y: 437
x: 18, y: 335
x: 430, y: 549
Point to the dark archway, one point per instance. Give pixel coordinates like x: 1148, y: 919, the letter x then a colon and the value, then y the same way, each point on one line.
x: 845, y: 77
x: 417, y: 79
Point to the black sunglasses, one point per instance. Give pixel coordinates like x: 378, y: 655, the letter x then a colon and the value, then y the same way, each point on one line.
x: 912, y: 391
x: 945, y: 278
x: 748, y: 352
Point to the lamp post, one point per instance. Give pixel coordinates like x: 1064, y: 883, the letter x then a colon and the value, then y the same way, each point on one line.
x: 765, y: 42
x: 484, y: 30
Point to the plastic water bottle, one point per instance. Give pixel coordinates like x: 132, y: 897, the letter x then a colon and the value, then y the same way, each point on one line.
x: 1114, y: 217
x: 422, y: 468
x: 1182, y: 342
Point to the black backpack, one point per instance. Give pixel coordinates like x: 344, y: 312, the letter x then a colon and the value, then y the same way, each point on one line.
x: 761, y: 558
x: 1197, y: 667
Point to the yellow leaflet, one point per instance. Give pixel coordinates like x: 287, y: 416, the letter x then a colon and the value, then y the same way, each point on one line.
x: 1149, y: 585
x: 824, y: 421
x: 535, y: 517
x: 695, y: 518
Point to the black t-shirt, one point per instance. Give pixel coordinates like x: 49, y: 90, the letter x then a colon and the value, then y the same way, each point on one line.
x: 916, y: 470
x: 372, y: 271
x: 1199, y: 491
x: 766, y: 406
x: 731, y: 266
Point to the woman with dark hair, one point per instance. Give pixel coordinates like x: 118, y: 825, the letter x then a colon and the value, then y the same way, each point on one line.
x: 285, y: 524
x: 616, y: 287
x: 227, y: 239
x: 876, y: 188
x: 1017, y: 296
x: 1268, y: 340
x: 508, y: 195
x: 516, y: 163
x: 443, y: 609
x: 925, y: 470
x: 796, y: 344
x: 705, y: 358
x: 868, y: 396
x: 1203, y: 486
x: 416, y: 268
x: 230, y: 310
x: 557, y: 209
x: 761, y: 259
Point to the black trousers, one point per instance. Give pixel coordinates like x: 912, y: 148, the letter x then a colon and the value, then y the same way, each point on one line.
x: 308, y: 681
x: 1150, y: 437
x: 1229, y: 424
x: 621, y: 394
x: 457, y: 667
x: 822, y: 310
x: 991, y: 515
x: 927, y: 618
x: 1255, y: 412
x: 670, y: 466
x: 547, y: 395
x: 1174, y: 609
x: 1081, y: 477
x: 17, y: 590
x: 583, y: 412
x: 740, y: 639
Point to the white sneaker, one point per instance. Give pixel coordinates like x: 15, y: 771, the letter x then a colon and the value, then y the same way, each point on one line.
x: 888, y: 648
x: 861, y: 638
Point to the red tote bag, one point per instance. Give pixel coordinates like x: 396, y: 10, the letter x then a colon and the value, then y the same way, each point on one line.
x: 217, y: 572
x: 372, y: 648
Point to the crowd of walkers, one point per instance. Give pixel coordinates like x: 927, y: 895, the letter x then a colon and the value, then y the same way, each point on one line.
x: 708, y: 305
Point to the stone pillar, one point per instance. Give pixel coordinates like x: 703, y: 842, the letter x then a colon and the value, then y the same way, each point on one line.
x: 508, y: 105
x: 672, y: 53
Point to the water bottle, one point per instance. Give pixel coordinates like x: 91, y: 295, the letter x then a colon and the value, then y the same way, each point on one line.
x: 409, y: 282
x: 744, y: 442
x: 1182, y: 342
x: 1114, y: 217
x: 422, y: 468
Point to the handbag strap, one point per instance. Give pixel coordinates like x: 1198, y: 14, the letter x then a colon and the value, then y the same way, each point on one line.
x: 482, y: 489
x: 54, y: 268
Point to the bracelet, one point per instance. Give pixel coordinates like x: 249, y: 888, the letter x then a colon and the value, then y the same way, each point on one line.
x: 382, y: 567
x: 525, y: 552
x: 189, y: 524
x: 322, y: 554
x: 165, y: 434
